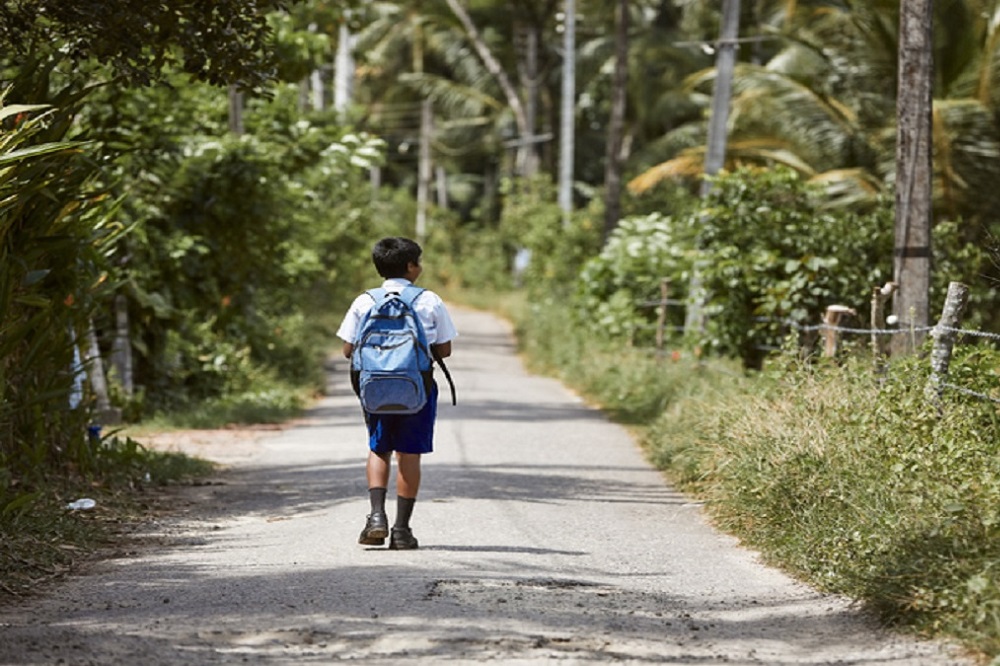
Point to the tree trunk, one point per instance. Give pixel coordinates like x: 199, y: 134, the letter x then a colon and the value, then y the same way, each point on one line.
x: 614, y: 159
x: 912, y: 260
x: 95, y: 368
x: 496, y: 69
x: 316, y: 86
x: 441, y: 182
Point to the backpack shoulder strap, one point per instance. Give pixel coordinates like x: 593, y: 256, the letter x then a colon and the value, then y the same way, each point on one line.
x: 377, y: 294
x: 410, y: 294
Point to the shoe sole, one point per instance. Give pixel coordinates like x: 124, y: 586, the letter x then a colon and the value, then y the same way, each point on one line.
x: 403, y: 544
x: 374, y: 536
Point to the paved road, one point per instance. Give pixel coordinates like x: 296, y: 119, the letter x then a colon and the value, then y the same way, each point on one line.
x: 544, y: 536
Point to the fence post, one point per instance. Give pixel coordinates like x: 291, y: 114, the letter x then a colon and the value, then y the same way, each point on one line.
x: 944, y: 335
x: 661, y: 313
x: 834, y: 313
x: 880, y: 342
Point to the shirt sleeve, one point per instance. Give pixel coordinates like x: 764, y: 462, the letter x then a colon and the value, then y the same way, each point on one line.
x: 348, y: 330
x: 438, y: 326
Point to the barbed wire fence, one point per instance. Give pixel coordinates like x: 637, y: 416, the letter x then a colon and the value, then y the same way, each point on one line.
x: 946, y: 334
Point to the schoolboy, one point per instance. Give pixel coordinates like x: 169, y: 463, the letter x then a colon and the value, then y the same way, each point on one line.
x: 410, y: 436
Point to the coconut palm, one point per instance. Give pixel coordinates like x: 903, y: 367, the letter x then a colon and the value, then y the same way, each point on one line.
x: 823, y: 103
x: 790, y: 109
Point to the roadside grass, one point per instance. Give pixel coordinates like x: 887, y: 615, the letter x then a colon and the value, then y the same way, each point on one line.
x: 859, y: 486
x: 854, y: 483
x: 42, y: 539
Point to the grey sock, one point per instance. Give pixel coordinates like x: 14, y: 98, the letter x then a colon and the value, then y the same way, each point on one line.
x: 404, y: 509
x: 376, y: 496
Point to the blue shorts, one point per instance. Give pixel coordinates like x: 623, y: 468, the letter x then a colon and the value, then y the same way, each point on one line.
x: 405, y: 433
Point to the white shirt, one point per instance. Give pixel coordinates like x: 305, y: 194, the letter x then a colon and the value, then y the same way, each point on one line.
x: 429, y: 307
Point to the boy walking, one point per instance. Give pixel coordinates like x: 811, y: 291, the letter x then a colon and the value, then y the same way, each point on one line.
x: 409, y: 436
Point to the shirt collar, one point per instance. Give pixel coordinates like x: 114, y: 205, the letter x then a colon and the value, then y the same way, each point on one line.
x: 396, y: 284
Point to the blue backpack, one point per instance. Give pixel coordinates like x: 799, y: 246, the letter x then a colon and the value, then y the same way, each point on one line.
x: 391, y: 366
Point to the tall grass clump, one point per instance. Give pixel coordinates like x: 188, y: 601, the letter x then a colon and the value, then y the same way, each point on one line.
x: 859, y: 485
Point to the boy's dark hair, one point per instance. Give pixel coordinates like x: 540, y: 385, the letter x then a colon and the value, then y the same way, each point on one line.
x: 392, y: 256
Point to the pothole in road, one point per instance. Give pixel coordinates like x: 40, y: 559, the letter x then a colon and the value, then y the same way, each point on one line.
x: 566, y: 603
x: 453, y: 588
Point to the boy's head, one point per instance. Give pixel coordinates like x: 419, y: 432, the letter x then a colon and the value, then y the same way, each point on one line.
x: 392, y: 256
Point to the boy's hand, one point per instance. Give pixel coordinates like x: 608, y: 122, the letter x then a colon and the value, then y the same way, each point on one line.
x: 442, y: 350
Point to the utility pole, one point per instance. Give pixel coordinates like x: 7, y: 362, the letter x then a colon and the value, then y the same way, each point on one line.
x: 343, y: 84
x: 914, y: 108
x: 725, y: 64
x: 615, y: 154
x: 424, y: 169
x: 530, y: 167
x: 235, y: 110
x: 316, y: 85
x: 567, y: 134
x: 715, y: 152
x: 424, y: 166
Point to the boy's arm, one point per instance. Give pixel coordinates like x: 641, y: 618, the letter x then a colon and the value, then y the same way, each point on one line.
x: 442, y: 350
x: 348, y: 349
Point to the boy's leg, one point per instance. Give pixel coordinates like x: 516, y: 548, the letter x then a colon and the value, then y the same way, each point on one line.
x: 408, y: 474
x: 377, y: 469
x: 377, y: 524
x: 407, y: 486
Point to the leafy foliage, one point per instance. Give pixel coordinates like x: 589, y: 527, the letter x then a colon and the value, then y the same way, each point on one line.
x: 638, y: 256
x: 54, y: 240
x: 219, y: 42
x: 771, y: 254
x: 765, y: 250
x: 238, y: 242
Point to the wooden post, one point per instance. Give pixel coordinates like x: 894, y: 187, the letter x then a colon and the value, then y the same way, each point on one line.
x: 944, y: 335
x: 661, y: 314
x: 880, y: 342
x: 834, y: 314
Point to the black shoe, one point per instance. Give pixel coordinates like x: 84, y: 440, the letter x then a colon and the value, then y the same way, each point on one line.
x: 402, y: 539
x: 376, y: 530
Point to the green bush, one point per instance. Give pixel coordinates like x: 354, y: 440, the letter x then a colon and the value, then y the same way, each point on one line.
x: 638, y: 255
x: 770, y: 254
x: 245, y: 249
x: 762, y: 252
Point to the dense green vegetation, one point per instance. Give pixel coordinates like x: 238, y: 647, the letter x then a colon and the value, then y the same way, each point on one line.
x: 195, y: 245
x: 846, y: 476
x: 851, y: 481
